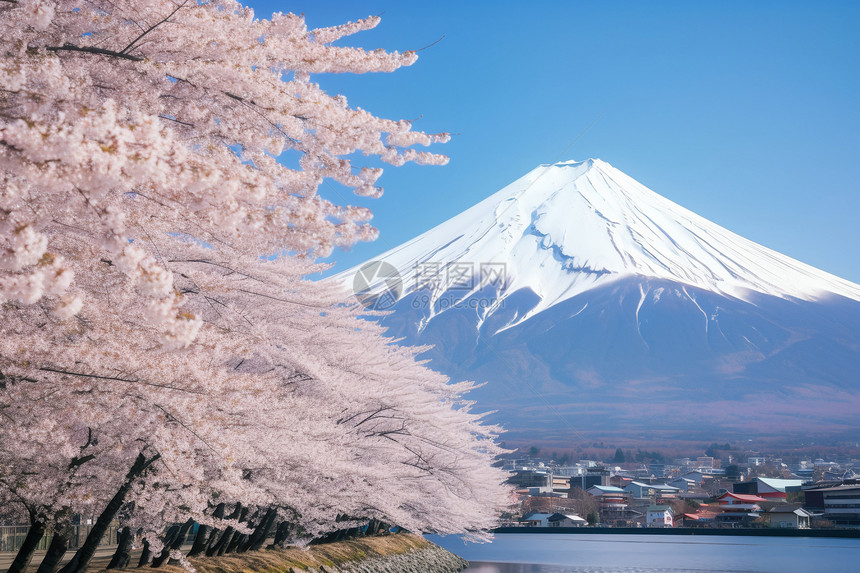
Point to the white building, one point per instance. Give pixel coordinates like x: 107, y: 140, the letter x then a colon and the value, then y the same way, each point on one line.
x: 659, y: 516
x: 565, y: 520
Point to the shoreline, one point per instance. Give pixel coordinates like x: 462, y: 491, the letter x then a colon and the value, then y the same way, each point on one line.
x: 395, y: 553
x: 749, y: 532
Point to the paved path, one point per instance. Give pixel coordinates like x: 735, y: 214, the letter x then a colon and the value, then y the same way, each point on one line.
x: 102, y: 558
x: 99, y: 562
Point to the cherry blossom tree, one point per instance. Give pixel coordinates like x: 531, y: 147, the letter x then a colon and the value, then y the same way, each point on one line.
x: 187, y: 106
x: 153, y: 366
x: 314, y: 413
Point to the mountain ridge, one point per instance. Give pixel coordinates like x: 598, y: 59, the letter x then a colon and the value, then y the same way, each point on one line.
x: 624, y: 227
x: 619, y: 299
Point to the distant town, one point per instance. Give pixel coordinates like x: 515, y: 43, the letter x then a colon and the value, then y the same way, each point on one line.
x: 725, y: 490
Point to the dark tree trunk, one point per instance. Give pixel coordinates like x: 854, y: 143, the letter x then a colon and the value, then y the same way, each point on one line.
x: 122, y: 555
x: 220, y: 546
x: 237, y: 538
x: 31, y: 541
x: 282, y: 533
x: 171, y: 534
x: 58, y: 547
x: 237, y: 541
x: 378, y: 528
x: 255, y: 542
x: 180, y: 539
x: 145, y: 554
x: 206, y: 534
x: 200, y: 540
x: 223, y: 541
x: 82, y: 557
x: 329, y: 537
x: 243, y: 515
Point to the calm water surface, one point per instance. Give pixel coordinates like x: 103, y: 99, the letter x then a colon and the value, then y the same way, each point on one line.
x: 594, y: 553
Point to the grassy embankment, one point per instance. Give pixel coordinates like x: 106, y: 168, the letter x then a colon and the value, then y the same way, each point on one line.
x: 281, y: 560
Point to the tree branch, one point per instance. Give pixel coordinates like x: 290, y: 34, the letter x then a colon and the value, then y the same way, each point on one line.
x: 431, y: 44
x: 100, y: 51
x: 81, y: 374
x: 189, y: 429
x: 151, y: 28
x: 277, y: 298
x: 167, y: 117
x: 80, y: 461
x: 118, y: 379
x: 213, y: 263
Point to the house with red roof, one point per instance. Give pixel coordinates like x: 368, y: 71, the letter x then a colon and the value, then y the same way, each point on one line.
x: 738, y: 508
x: 740, y: 501
x: 705, y: 516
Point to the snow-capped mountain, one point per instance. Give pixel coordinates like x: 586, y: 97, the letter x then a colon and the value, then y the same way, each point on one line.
x: 588, y: 302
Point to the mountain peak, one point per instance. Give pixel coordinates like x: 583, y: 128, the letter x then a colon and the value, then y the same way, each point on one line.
x: 568, y: 227
x: 590, y: 162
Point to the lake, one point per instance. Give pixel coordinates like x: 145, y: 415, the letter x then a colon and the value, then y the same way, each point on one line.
x: 613, y: 553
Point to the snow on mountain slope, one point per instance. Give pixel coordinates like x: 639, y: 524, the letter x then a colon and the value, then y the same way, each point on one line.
x: 564, y: 229
x: 588, y: 303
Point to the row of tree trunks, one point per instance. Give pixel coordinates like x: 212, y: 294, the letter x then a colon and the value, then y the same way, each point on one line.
x: 210, y: 541
x: 261, y: 532
x: 373, y: 528
x: 376, y: 527
x: 31, y: 541
x: 282, y: 533
x: 219, y: 544
x: 62, y: 531
x: 205, y: 533
x: 180, y: 540
x: 175, y: 544
x: 82, y: 557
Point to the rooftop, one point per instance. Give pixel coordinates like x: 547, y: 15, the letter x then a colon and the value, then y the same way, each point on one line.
x: 742, y: 497
x: 607, y: 489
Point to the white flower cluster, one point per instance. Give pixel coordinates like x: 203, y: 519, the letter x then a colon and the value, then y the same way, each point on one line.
x: 126, y: 136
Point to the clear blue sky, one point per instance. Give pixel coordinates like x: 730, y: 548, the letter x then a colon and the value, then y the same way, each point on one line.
x: 747, y: 113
